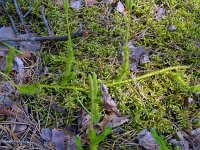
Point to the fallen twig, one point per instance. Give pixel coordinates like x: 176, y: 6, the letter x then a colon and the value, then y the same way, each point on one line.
x: 44, y: 38
x: 21, y: 17
x: 29, y: 11
x: 45, y: 20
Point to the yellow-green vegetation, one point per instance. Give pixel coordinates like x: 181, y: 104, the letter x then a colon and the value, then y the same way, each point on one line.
x: 160, y: 140
x: 154, y: 98
x: 9, y: 60
x: 95, y: 114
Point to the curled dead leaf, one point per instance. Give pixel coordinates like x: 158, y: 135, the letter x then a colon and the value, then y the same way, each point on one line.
x: 75, y: 4
x: 112, y: 121
x: 137, y: 55
x: 107, y: 103
x: 59, y: 139
x: 89, y: 2
x: 196, y: 135
x: 147, y: 140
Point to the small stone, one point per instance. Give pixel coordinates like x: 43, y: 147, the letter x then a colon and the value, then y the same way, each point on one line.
x: 130, y: 45
x: 89, y: 2
x: 144, y: 58
x: 76, y: 4
x: 120, y: 7
x: 159, y: 13
x: 172, y: 28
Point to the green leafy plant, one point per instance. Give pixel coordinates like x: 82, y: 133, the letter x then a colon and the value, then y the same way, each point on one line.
x: 129, y: 4
x: 96, y: 139
x: 161, y: 143
x: 94, y: 116
x: 29, y: 89
x: 78, y: 143
x: 93, y: 91
x: 177, y: 148
x: 10, y: 56
x: 70, y: 58
x: 154, y: 73
x: 9, y: 59
x: 178, y: 78
x: 11, y: 47
x: 125, y: 67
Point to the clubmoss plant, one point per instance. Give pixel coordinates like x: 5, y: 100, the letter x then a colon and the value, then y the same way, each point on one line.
x: 161, y: 71
x: 78, y: 143
x: 70, y: 58
x: 93, y: 91
x: 179, y: 79
x: 162, y: 144
x: 9, y: 59
x: 10, y: 56
x: 125, y: 67
x: 94, y: 116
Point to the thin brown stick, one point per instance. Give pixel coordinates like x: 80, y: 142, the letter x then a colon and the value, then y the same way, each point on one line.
x: 44, y: 38
x: 21, y: 18
x: 44, y: 19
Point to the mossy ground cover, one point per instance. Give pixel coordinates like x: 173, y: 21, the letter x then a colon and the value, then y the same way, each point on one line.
x: 157, y: 101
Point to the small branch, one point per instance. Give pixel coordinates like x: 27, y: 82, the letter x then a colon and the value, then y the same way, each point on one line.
x: 28, y: 12
x: 18, y: 12
x: 21, y: 17
x: 22, y: 142
x: 45, y: 20
x: 44, y: 38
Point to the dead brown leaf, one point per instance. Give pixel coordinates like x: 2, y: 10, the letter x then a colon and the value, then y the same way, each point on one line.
x: 59, y: 3
x: 89, y: 2
x: 75, y: 4
x: 112, y: 121
x: 147, y: 140
x: 137, y: 56
x: 196, y: 135
x: 59, y: 139
x: 107, y: 103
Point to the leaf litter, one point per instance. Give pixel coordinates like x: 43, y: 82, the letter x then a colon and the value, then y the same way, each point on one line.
x: 120, y: 7
x: 137, y: 56
x: 110, y: 117
x: 147, y: 141
x: 62, y: 139
x: 26, y: 47
x: 76, y: 4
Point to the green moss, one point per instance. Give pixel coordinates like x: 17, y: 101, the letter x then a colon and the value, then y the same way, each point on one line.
x: 156, y: 101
